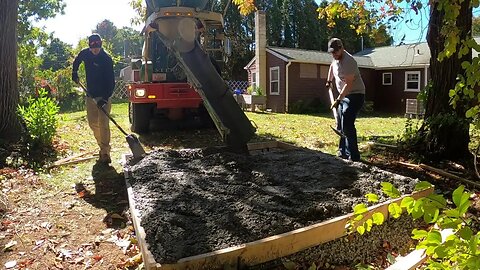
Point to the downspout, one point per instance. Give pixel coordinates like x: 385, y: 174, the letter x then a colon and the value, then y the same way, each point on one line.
x: 426, y: 75
x: 286, y: 86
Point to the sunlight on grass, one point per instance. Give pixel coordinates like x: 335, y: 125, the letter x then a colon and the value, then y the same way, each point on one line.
x: 311, y: 131
x: 74, y: 131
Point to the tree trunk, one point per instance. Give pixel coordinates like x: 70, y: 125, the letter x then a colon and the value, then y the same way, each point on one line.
x: 445, y: 131
x: 9, y: 123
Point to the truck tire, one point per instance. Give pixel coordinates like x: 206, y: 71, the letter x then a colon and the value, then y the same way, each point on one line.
x: 139, y: 116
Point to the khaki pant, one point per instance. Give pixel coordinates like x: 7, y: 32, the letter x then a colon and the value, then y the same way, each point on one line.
x: 99, y: 123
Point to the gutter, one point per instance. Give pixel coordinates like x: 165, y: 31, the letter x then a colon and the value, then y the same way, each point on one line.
x: 286, y: 85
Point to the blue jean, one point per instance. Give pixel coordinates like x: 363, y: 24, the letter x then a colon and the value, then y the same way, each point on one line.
x: 347, y: 113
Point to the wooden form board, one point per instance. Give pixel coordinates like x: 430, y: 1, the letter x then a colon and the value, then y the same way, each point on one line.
x: 265, y: 249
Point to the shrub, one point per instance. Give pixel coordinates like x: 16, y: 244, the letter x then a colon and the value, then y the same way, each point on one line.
x: 255, y: 90
x: 40, y: 117
x: 460, y: 250
x: 308, y: 107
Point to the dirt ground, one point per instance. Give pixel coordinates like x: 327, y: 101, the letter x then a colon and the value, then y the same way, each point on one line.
x: 82, y: 227
x: 195, y: 201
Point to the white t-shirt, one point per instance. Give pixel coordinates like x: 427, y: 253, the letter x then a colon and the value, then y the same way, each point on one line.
x: 347, y: 66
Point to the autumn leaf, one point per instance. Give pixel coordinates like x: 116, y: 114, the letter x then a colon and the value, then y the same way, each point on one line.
x: 9, y: 246
x: 97, y: 257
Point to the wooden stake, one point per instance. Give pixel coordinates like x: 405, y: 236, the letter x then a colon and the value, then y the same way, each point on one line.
x: 441, y: 172
x: 449, y: 175
x: 72, y: 161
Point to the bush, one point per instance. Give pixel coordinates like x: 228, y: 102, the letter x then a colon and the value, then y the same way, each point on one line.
x: 460, y: 250
x: 40, y: 117
x: 308, y: 107
x: 255, y: 90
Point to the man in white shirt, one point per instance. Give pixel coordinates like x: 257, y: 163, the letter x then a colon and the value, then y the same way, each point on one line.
x: 349, y: 83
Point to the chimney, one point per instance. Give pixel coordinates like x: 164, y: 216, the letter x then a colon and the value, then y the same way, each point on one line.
x: 260, y: 49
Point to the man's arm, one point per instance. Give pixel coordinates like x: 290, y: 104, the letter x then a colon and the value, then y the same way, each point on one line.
x: 348, y: 86
x: 329, y: 77
x: 110, y: 78
x: 76, y: 63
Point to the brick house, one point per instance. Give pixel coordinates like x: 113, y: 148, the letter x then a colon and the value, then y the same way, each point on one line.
x: 392, y: 75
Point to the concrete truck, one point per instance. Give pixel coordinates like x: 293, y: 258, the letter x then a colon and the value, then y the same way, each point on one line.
x: 179, y: 76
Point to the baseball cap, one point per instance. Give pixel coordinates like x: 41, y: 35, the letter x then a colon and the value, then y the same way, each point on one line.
x: 334, y: 45
x: 95, y: 41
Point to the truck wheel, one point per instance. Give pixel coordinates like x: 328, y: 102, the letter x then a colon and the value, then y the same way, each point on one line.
x: 205, y: 118
x: 139, y: 116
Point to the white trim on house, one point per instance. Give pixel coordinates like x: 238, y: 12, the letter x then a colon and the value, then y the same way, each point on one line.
x: 384, y: 81
x: 287, y: 79
x: 400, y: 67
x: 281, y: 57
x: 247, y: 66
x: 254, y: 79
x: 277, y: 81
x: 407, y: 81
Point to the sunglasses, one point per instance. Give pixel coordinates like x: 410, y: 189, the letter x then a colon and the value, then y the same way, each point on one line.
x: 95, y: 44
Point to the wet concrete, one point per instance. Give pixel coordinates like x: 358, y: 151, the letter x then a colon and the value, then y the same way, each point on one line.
x: 194, y: 201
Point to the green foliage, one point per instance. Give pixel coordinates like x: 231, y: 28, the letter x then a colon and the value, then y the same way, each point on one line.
x: 63, y: 89
x: 255, y: 90
x: 29, y: 61
x: 31, y: 39
x: 410, y: 133
x: 40, y: 117
x: 476, y: 26
x: 56, y: 55
x: 308, y: 107
x: 390, y: 190
x: 459, y: 250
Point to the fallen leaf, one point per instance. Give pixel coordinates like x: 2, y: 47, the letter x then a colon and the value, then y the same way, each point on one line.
x: 124, y: 243
x: 10, y: 264
x: 39, y: 242
x: 133, y: 261
x: 116, y: 216
x: 9, y: 246
x: 46, y: 225
x: 25, y: 263
x: 97, y: 257
x: 78, y: 260
x: 65, y: 253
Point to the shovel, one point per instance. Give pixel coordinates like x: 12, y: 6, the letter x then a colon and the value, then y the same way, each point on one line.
x: 132, y: 140
x: 335, y: 113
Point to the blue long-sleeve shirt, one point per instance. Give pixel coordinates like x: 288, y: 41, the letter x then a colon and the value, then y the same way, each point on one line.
x: 99, y: 72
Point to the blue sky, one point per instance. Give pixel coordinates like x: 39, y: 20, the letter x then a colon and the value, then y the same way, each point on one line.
x: 82, y: 16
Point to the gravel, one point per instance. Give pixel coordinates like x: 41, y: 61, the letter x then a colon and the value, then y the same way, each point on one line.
x: 194, y: 201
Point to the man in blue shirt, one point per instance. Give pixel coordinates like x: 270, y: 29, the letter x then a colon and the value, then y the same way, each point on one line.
x: 100, y: 85
x: 349, y: 83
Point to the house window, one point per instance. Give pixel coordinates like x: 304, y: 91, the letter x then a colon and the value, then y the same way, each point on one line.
x: 308, y: 71
x: 412, y: 81
x: 254, y: 79
x: 387, y: 78
x: 274, y: 81
x: 324, y: 71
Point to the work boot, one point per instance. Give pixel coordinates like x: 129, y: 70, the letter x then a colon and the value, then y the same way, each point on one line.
x: 104, y: 158
x: 341, y: 155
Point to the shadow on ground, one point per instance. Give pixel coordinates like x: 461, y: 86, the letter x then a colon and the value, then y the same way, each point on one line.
x: 110, y: 194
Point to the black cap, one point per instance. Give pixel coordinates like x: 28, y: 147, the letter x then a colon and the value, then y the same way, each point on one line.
x: 334, y: 45
x: 95, y: 41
